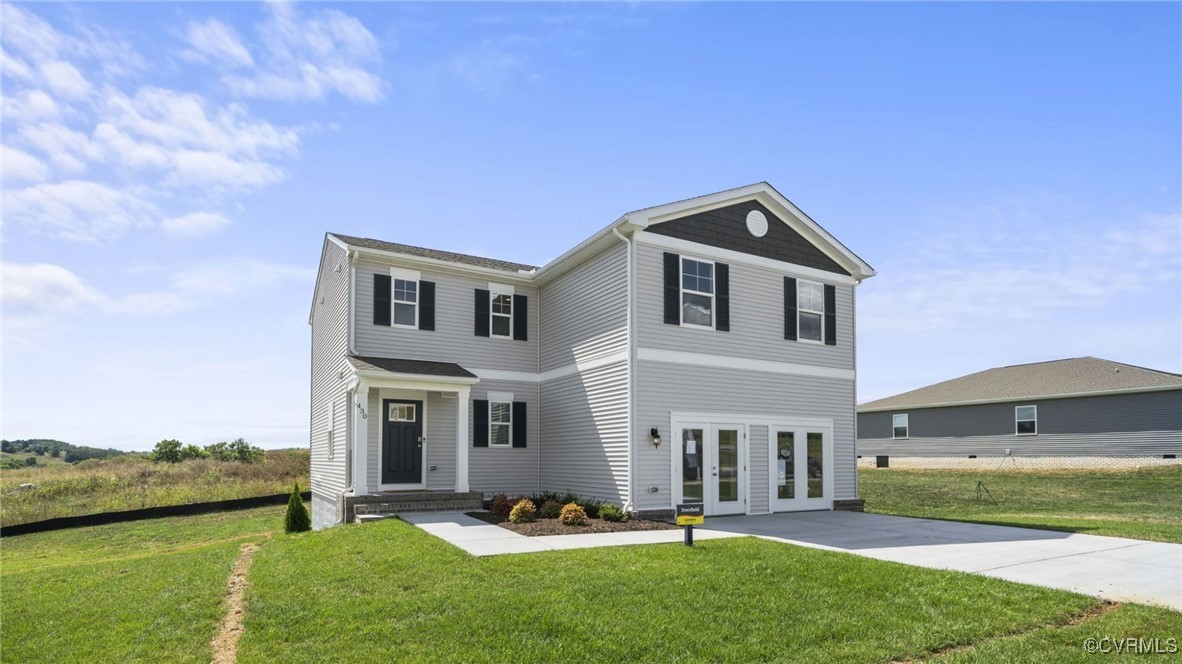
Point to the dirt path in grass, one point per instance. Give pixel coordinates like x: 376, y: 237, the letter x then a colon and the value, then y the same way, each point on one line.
x: 1085, y: 615
x: 225, y: 642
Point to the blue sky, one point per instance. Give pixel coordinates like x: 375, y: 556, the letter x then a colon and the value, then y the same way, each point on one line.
x: 1013, y: 172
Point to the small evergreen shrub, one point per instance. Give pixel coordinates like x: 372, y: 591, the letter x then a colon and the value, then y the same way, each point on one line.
x: 297, y: 519
x: 568, y: 498
x: 572, y: 515
x: 523, y: 512
x: 543, y: 497
x: 611, y: 512
x: 501, y: 505
x: 550, y: 510
x: 591, y: 507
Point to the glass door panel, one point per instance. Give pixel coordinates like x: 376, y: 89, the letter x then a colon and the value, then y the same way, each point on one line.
x: 785, y: 465
x: 728, y: 466
x: 692, y: 462
x: 816, y: 465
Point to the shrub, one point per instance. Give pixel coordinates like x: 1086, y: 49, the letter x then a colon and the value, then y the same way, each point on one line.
x: 523, y: 512
x: 543, y: 497
x: 591, y: 507
x: 572, y: 515
x: 243, y: 451
x: 219, y: 451
x: 193, y: 452
x: 501, y: 505
x: 612, y: 512
x: 168, y: 451
x: 550, y: 510
x: 297, y: 519
x: 568, y: 498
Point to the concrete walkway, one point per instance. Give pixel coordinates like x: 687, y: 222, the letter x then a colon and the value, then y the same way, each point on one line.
x: 1112, y: 568
x: 482, y: 539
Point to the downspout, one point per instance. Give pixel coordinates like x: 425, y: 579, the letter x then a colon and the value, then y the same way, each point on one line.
x: 629, y: 505
x: 539, y: 370
x: 350, y: 256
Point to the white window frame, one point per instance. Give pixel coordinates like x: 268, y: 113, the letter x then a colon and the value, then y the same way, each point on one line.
x: 501, y: 398
x: 1034, y: 419
x: 682, y: 290
x: 800, y: 309
x: 408, y: 408
x: 906, y: 425
x: 331, y: 412
x: 394, y: 302
x: 495, y: 290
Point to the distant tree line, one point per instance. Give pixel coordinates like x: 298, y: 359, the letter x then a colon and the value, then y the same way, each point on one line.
x: 174, y: 451
x: 56, y: 449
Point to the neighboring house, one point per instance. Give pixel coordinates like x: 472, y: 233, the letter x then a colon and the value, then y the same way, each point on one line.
x: 697, y: 351
x: 1078, y: 407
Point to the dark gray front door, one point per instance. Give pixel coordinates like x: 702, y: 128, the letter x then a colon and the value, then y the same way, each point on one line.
x: 402, y: 441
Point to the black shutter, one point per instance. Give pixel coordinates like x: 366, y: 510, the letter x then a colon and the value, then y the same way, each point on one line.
x: 672, y: 289
x: 520, y: 424
x: 830, y: 315
x: 790, y: 308
x: 479, y: 423
x: 381, y: 299
x: 426, y: 305
x: 722, y: 295
x: 482, y: 314
x: 520, y: 317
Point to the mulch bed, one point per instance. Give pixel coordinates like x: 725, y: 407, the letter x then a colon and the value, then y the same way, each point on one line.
x: 553, y: 527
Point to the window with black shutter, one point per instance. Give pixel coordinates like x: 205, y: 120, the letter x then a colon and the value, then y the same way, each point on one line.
x: 381, y: 299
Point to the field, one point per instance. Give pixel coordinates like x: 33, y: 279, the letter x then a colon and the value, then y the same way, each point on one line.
x: 133, y: 481
x: 1143, y: 503
x: 154, y: 591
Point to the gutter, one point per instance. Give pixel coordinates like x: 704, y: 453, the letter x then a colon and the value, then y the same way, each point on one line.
x: 629, y: 505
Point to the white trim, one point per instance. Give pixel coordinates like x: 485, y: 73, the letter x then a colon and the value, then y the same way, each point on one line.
x: 402, y: 394
x: 397, y: 275
x: 769, y: 420
x: 906, y: 426
x: 493, y: 294
x: 495, y: 288
x: 500, y: 396
x: 438, y: 265
x: 682, y: 290
x: 800, y: 310
x: 462, y: 401
x: 415, y: 381
x: 360, y: 411
x: 497, y: 374
x: 801, y: 500
x: 405, y: 274
x: 708, y: 456
x: 1035, y: 420
x: 331, y: 430
x: 741, y: 363
x: 550, y: 374
x: 1026, y: 398
x: 495, y: 398
x: 737, y: 257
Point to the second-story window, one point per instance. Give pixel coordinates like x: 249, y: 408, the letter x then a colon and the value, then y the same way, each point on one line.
x: 406, y: 301
x: 502, y: 314
x: 810, y: 308
x: 697, y: 293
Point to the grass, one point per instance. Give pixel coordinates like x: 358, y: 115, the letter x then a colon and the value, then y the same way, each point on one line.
x: 146, y: 591
x: 1144, y: 503
x: 132, y: 482
x: 42, y: 459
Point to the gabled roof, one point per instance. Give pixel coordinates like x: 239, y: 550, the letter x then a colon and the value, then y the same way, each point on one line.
x: 436, y: 254
x: 1079, y: 376
x: 409, y: 367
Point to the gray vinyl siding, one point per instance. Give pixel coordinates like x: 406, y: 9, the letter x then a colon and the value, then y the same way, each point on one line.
x: 508, y: 470
x: 324, y: 511
x: 760, y: 479
x: 329, y: 343
x: 664, y: 388
x: 454, y: 338
x: 1147, y: 423
x: 756, y: 317
x: 585, y: 429
x: 584, y: 311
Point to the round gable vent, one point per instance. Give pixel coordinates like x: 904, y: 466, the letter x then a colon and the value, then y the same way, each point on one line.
x: 756, y: 223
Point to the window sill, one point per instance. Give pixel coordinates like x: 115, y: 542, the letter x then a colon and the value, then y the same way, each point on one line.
x: 1026, y: 434
x: 811, y: 341
x: 697, y: 327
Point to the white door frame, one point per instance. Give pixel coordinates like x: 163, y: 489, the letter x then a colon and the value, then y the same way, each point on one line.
x: 801, y: 429
x: 401, y: 395
x: 708, y: 455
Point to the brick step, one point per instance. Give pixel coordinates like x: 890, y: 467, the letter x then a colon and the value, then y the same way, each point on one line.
x: 388, y: 504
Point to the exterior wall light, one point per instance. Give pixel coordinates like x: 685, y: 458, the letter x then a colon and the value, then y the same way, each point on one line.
x: 655, y: 436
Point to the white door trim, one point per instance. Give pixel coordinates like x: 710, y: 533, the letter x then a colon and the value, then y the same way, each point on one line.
x: 800, y: 429
x: 709, y: 426
x: 403, y: 395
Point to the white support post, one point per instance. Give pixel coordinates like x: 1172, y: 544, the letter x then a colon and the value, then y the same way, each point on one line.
x: 361, y: 440
x: 462, y: 440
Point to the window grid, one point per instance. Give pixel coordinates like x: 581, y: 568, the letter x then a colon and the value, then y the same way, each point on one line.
x: 1026, y: 420
x: 406, y: 298
x: 900, y: 426
x: 810, y: 311
x: 697, y: 293
x: 501, y: 324
x: 500, y: 423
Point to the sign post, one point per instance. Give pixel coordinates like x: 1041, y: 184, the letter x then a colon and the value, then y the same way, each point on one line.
x: 690, y: 515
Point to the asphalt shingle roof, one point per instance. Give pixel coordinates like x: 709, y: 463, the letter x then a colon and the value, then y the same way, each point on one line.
x: 423, y: 252
x: 418, y: 367
x: 1023, y: 381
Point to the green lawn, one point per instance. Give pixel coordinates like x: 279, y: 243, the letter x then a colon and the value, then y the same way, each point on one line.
x: 1141, y: 504
x: 145, y: 591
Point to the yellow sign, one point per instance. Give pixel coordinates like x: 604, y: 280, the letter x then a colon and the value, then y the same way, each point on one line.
x: 688, y: 520
x: 690, y: 514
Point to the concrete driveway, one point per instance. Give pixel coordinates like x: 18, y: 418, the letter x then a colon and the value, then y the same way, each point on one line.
x: 1112, y: 568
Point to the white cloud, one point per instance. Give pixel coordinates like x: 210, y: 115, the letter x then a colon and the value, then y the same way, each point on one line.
x: 45, y: 287
x: 194, y: 224
x: 20, y: 165
x: 29, y: 106
x: 68, y: 149
x: 309, y: 57
x: 65, y: 79
x: 79, y: 210
x: 214, y: 41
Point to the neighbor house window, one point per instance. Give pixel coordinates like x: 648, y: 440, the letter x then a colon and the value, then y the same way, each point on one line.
x: 1026, y: 420
x: 697, y: 293
x: 500, y: 423
x: 502, y: 314
x: 810, y: 311
x: 899, y: 424
x: 406, y: 301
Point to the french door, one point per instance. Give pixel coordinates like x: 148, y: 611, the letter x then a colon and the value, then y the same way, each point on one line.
x: 714, y: 466
x: 801, y: 472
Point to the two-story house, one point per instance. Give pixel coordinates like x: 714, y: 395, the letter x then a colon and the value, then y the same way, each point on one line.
x: 702, y: 350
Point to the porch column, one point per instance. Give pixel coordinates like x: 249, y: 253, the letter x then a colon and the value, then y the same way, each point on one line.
x: 462, y: 440
x: 361, y: 440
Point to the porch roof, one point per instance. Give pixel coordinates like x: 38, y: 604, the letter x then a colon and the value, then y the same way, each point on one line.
x: 410, y: 367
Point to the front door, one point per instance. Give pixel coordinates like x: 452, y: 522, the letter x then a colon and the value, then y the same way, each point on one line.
x: 402, y: 442
x: 800, y: 472
x: 714, y: 467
